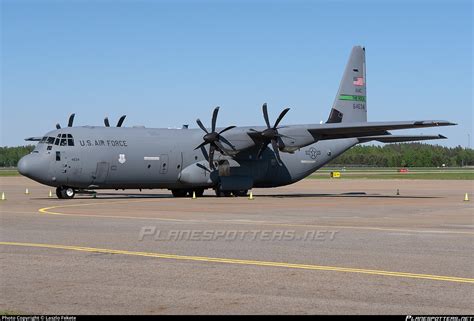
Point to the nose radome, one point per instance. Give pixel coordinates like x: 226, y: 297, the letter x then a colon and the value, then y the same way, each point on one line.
x: 23, y: 165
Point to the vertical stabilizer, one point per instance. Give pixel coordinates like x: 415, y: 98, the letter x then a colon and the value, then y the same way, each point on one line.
x: 350, y: 104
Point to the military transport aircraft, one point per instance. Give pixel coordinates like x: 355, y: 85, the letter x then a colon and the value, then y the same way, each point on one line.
x: 230, y: 160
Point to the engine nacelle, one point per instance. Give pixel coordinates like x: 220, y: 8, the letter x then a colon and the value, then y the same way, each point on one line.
x: 193, y: 174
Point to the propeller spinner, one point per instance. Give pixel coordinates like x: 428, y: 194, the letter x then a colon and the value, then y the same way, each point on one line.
x: 212, y: 138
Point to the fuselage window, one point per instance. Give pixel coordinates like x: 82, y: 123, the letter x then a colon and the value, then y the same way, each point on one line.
x: 70, y: 140
x: 58, y: 156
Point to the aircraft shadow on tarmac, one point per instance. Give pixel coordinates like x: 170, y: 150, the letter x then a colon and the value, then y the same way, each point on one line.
x: 105, y: 196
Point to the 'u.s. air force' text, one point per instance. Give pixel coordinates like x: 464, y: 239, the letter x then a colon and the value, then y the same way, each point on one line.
x: 101, y: 142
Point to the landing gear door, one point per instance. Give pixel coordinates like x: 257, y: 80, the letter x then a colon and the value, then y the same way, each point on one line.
x: 101, y: 172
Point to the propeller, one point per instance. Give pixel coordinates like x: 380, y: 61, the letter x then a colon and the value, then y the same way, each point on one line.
x: 270, y: 134
x: 69, y: 123
x: 119, y: 123
x: 212, y: 137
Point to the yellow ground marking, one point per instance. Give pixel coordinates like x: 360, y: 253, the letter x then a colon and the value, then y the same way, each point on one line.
x: 245, y: 262
x: 48, y: 210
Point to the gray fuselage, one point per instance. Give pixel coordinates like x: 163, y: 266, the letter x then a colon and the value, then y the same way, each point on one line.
x: 146, y: 158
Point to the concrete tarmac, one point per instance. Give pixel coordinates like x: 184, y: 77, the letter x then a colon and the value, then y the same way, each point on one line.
x: 315, y: 247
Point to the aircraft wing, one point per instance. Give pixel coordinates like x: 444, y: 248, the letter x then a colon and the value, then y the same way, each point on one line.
x: 33, y: 139
x: 297, y: 136
x: 399, y: 138
x: 364, y: 129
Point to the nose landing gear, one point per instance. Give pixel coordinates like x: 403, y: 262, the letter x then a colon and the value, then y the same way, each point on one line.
x: 64, y: 192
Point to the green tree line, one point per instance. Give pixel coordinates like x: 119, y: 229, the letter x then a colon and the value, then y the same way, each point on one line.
x: 391, y: 155
x: 9, y: 156
x: 406, y: 155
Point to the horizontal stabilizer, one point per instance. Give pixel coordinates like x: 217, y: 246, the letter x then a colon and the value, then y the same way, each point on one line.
x: 364, y: 129
x: 399, y: 138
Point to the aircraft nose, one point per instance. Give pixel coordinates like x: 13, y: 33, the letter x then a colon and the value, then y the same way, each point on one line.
x: 23, y: 165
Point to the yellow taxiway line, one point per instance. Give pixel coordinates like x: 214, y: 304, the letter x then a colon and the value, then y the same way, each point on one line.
x: 245, y: 262
x: 49, y: 210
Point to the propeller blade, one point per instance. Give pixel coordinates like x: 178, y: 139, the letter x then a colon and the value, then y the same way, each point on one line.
x: 282, y: 114
x: 225, y: 141
x: 284, y: 136
x: 71, y: 120
x: 226, y: 129
x: 205, y: 153
x: 121, y: 120
x: 106, y: 122
x: 201, y: 145
x: 198, y: 121
x: 203, y: 167
x: 277, y: 151
x: 265, y: 115
x: 261, y: 149
x: 214, y: 119
x: 58, y: 126
x: 211, y: 156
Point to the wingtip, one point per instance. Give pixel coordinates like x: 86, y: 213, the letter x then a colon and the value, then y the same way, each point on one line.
x: 445, y: 123
x: 442, y: 137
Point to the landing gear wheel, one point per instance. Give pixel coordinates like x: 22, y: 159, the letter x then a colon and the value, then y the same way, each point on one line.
x: 221, y: 193
x: 179, y: 192
x: 65, y: 192
x: 240, y: 193
x: 58, y: 192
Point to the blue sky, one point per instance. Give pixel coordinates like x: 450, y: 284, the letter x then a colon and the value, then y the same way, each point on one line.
x: 166, y: 63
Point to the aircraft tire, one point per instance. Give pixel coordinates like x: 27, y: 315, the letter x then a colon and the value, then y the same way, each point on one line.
x: 58, y: 192
x: 67, y: 192
x: 221, y: 193
x: 240, y: 193
x: 199, y: 192
x: 179, y: 192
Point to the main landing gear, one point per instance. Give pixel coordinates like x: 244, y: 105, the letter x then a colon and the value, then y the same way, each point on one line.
x: 186, y: 192
x: 64, y: 192
x: 238, y: 193
x: 200, y: 191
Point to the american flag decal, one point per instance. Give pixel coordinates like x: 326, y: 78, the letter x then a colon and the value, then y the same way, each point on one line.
x: 358, y: 81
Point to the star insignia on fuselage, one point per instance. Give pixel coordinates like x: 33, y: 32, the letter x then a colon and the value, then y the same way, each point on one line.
x: 313, y: 153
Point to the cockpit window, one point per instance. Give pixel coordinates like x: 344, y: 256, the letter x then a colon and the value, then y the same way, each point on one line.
x: 70, y: 140
x: 43, y: 139
x: 62, y: 140
x: 50, y: 140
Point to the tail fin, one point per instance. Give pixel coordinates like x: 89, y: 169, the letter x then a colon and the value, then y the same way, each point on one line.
x: 350, y: 104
